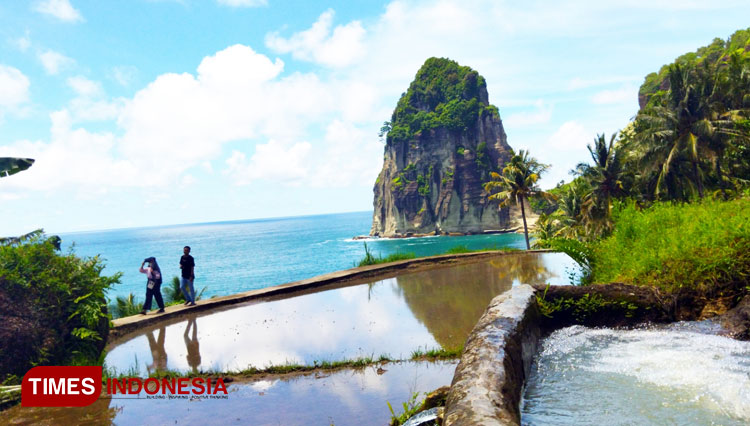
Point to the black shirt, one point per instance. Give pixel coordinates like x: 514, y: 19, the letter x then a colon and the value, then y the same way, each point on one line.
x: 187, y: 263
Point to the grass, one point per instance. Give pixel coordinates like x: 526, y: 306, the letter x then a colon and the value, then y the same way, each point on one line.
x: 411, y: 407
x: 675, y: 246
x: 436, y: 353
x: 285, y: 368
x: 371, y: 259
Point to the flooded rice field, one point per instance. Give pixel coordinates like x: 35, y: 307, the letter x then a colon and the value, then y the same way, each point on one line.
x: 436, y: 308
x: 344, y: 397
x: 396, y: 316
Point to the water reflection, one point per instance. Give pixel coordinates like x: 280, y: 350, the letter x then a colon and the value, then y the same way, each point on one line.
x: 450, y: 301
x: 393, y: 316
x: 158, y: 353
x: 345, y: 397
x: 192, y: 345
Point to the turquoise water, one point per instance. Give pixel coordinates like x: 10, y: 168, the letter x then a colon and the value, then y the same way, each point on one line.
x: 232, y: 257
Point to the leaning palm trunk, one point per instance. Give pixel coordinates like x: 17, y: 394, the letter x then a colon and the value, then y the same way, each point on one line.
x: 525, y: 227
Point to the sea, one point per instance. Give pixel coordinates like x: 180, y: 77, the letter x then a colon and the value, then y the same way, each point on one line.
x: 236, y: 256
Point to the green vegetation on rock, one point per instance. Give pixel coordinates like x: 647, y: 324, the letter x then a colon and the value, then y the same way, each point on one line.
x: 443, y: 94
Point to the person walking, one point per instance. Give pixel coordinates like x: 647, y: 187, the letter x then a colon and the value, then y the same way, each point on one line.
x: 153, y: 285
x: 187, y: 265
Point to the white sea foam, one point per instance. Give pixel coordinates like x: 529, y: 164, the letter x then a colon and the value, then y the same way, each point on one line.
x: 685, y: 369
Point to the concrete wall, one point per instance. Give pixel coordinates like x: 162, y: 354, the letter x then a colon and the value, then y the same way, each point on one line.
x: 487, y: 385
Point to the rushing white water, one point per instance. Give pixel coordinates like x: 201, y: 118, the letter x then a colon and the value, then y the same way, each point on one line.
x: 676, y: 374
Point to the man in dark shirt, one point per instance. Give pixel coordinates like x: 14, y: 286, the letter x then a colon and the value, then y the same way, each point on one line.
x: 187, y: 264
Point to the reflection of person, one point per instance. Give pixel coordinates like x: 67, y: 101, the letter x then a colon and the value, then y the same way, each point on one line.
x: 193, y: 349
x: 187, y: 265
x: 158, y: 353
x: 153, y: 285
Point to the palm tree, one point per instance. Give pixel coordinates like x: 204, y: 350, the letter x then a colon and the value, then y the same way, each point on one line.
x: 605, y: 180
x: 692, y: 122
x: 11, y: 165
x: 517, y: 184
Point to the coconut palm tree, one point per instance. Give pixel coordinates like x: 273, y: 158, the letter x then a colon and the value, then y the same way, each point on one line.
x: 605, y: 179
x: 691, y: 124
x: 11, y: 165
x: 517, y: 184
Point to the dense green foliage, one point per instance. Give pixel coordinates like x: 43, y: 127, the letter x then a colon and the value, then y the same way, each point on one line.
x: 443, y: 94
x: 691, y: 141
x: 697, y: 245
x: 717, y: 51
x: 52, y: 306
x: 665, y: 201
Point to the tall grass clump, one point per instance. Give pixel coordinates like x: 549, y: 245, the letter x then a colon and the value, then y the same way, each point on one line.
x: 674, y: 246
x: 371, y: 259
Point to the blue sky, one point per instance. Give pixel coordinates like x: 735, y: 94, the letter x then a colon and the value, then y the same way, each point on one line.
x: 153, y: 112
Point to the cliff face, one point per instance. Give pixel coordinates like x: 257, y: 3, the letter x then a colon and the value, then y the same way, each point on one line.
x: 443, y: 141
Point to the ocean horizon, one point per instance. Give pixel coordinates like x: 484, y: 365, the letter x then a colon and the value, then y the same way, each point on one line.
x: 241, y: 255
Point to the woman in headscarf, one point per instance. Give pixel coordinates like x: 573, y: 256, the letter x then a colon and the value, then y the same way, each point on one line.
x: 153, y: 285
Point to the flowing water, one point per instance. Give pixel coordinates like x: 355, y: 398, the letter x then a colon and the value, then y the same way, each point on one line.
x: 681, y: 374
x: 396, y: 316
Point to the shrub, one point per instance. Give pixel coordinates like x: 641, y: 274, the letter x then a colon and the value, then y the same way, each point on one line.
x: 671, y: 246
x: 52, y: 306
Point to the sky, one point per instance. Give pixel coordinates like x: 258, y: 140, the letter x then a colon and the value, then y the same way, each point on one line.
x: 157, y: 112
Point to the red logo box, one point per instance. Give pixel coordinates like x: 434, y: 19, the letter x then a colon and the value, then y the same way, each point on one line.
x: 61, y: 386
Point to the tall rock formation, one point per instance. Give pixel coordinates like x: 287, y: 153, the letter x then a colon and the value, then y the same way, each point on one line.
x: 443, y: 140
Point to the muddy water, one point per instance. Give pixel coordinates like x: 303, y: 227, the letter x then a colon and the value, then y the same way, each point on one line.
x: 430, y: 309
x: 676, y: 374
x: 345, y: 397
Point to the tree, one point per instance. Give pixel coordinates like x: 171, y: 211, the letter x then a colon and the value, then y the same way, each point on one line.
x: 693, y: 122
x: 605, y: 179
x: 11, y: 165
x: 518, y: 183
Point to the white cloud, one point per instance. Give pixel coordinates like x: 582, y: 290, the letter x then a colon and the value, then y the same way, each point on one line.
x: 619, y: 96
x: 85, y: 87
x: 54, y: 62
x: 124, y: 75
x: 243, y: 3
x: 23, y: 43
x: 337, y: 48
x: 571, y: 135
x: 271, y: 161
x: 14, y: 87
x: 350, y: 156
x: 60, y: 9
x: 90, y: 103
x: 74, y: 157
x: 542, y: 114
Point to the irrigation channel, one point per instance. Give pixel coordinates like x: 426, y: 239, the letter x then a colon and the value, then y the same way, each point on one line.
x: 394, y: 317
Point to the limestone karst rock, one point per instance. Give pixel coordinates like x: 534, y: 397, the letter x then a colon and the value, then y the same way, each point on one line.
x: 443, y: 140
